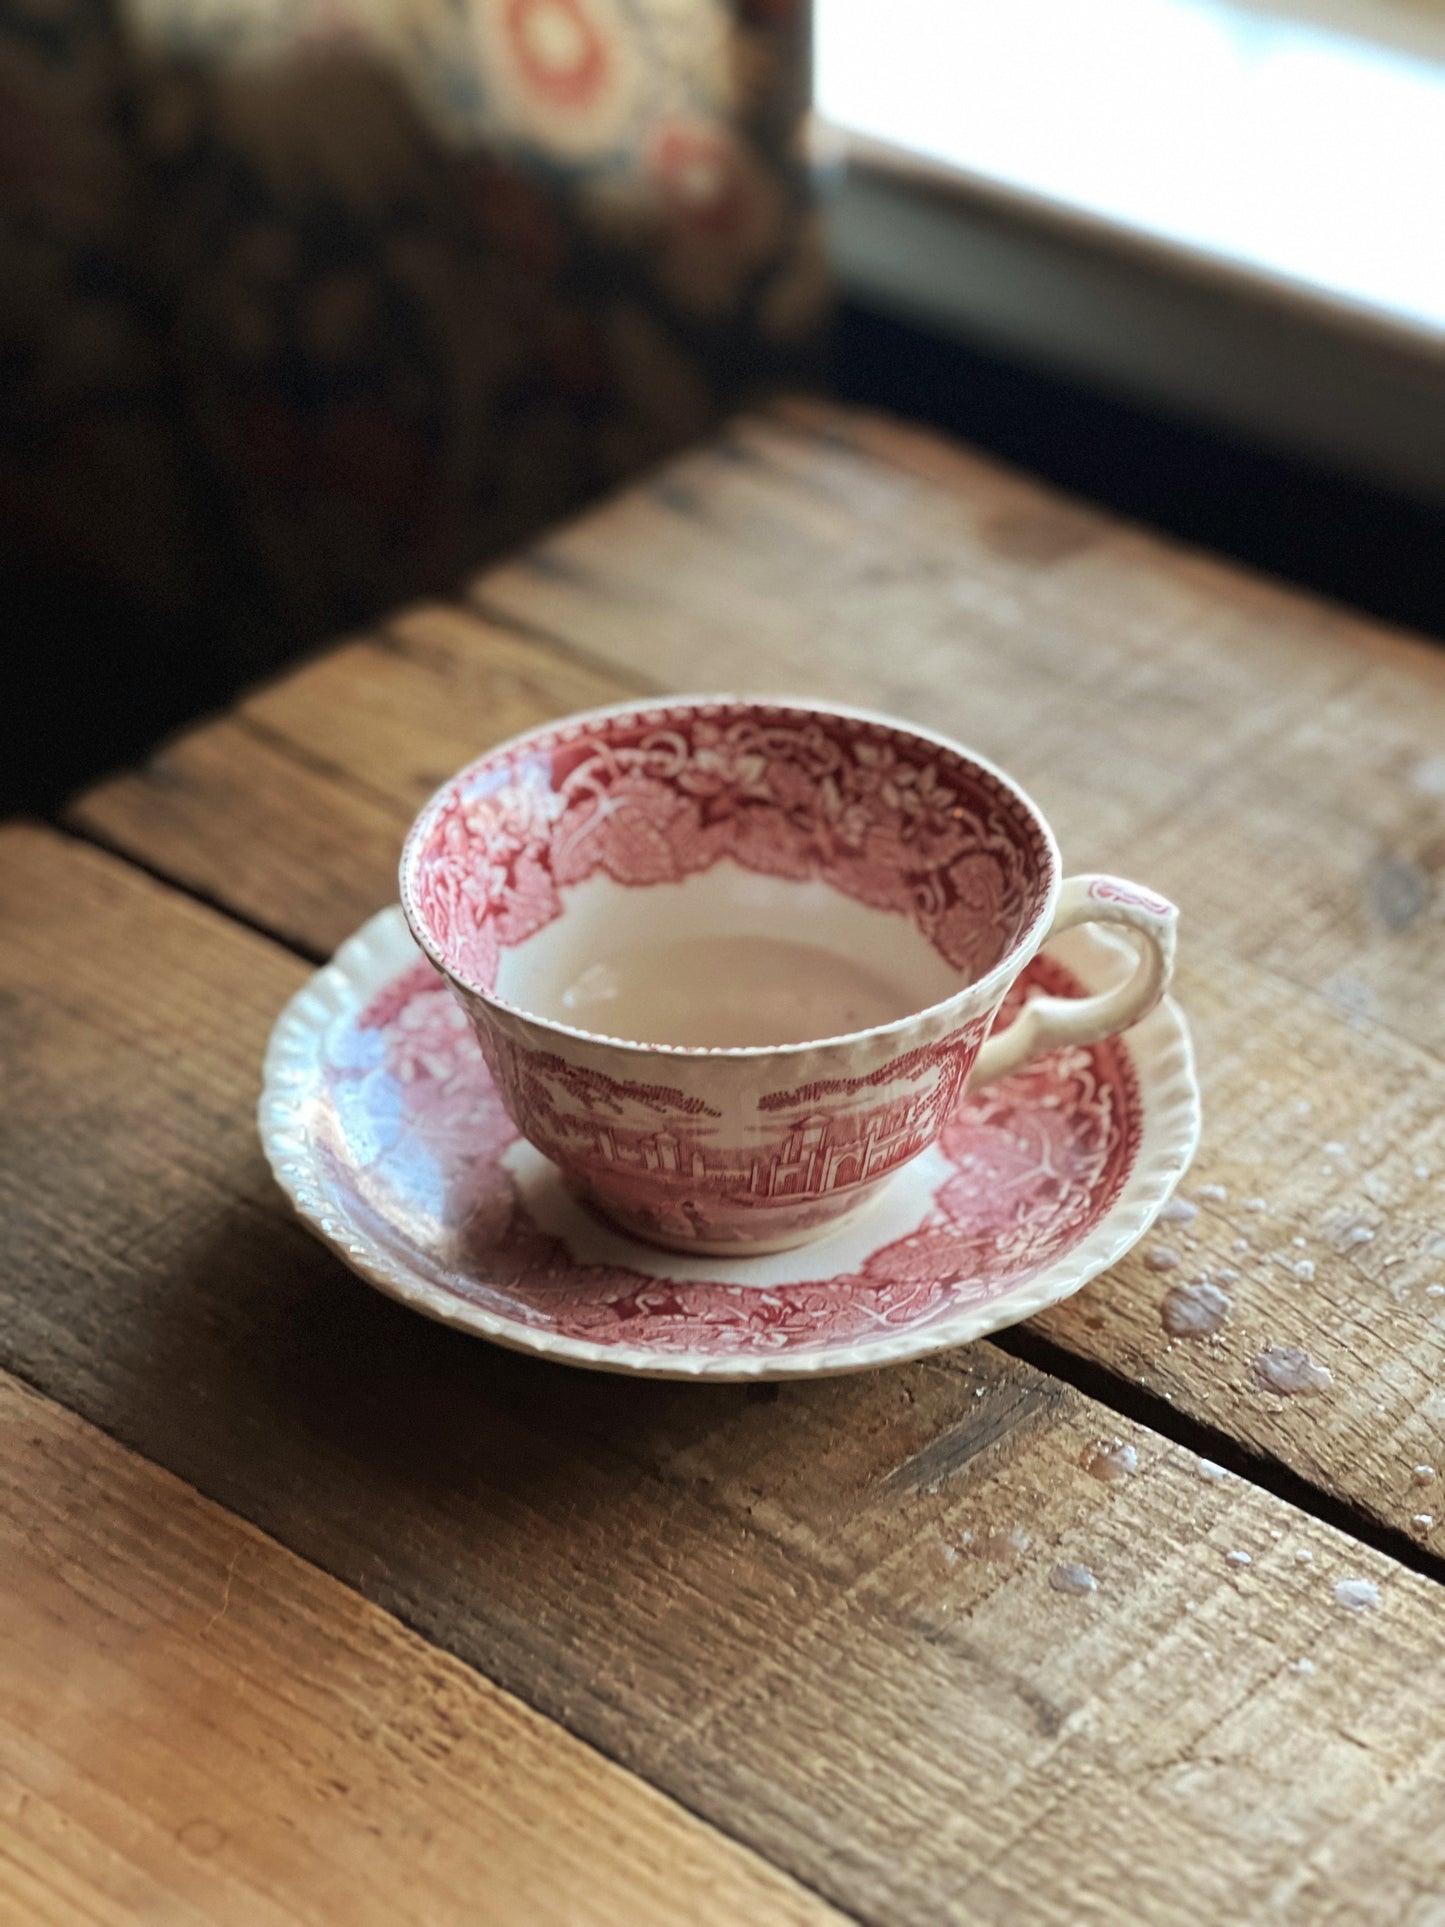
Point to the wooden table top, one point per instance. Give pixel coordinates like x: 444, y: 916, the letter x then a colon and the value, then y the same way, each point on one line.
x: 314, y: 1611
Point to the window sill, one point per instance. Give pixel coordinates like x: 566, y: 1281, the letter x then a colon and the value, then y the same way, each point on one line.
x: 1274, y: 304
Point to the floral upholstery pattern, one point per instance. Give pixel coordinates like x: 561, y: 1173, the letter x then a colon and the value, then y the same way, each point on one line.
x: 307, y: 305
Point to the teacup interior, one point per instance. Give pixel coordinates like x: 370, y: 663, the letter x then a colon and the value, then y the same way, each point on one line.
x: 725, y: 874
x: 725, y: 959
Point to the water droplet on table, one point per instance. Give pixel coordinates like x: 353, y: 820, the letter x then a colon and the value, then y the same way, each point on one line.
x: 1194, y: 1311
x: 1006, y: 1544
x: 1109, y: 1460
x: 1334, y: 1149
x: 1256, y: 1204
x: 1304, y: 1557
x: 1073, y: 1579
x: 1357, y: 1595
x: 1354, y: 998
x: 1212, y: 1193
x: 1237, y: 1558
x: 1162, y: 1258
x: 1358, y: 1234
x: 1301, y: 1666
x: 1211, y: 1473
x: 1179, y: 1211
x: 1399, y: 890
x: 1427, y: 778
x: 1422, y: 1474
x: 1304, y: 1269
x: 1290, y: 1371
x: 1423, y: 1519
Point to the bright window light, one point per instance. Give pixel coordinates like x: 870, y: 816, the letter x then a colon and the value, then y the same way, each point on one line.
x: 1267, y: 140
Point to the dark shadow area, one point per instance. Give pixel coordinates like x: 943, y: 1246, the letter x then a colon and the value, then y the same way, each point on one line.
x: 306, y: 316
x: 89, y: 682
x: 1337, y: 536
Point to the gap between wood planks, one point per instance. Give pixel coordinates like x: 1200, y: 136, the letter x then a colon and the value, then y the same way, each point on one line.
x: 17, y: 1373
x: 400, y: 1754
x: 1156, y: 1414
x: 1107, y: 1388
x: 207, y: 899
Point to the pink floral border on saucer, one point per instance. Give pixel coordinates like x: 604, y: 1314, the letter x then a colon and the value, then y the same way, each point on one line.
x: 382, y: 1125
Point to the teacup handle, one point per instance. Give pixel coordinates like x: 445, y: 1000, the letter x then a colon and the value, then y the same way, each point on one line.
x: 1045, y: 1023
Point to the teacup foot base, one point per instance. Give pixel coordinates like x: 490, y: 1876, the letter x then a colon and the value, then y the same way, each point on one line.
x: 745, y: 1243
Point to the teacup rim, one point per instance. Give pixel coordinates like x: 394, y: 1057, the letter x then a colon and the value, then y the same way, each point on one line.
x: 979, y: 989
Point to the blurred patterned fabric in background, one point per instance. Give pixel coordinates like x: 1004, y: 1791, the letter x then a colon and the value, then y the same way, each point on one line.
x: 309, y: 305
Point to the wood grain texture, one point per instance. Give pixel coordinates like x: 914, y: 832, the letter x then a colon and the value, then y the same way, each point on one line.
x: 821, y: 1616
x: 195, y: 1725
x: 1265, y: 758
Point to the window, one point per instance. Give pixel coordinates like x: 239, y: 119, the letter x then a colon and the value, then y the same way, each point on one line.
x: 1303, y: 145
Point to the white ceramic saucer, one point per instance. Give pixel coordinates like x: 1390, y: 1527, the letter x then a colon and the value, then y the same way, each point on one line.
x: 382, y: 1125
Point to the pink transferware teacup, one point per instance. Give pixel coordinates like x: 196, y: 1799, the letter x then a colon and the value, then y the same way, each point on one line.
x: 732, y: 963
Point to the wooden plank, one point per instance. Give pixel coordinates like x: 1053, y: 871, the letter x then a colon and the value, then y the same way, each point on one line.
x: 1267, y: 1046
x: 197, y: 1725
x: 402, y: 711
x: 823, y: 1618
x: 314, y: 779
x: 227, y: 812
x: 1328, y: 1145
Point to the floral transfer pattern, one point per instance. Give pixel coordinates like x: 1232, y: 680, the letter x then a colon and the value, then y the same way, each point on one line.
x: 658, y: 796
x: 315, y: 304
x: 415, y: 1136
